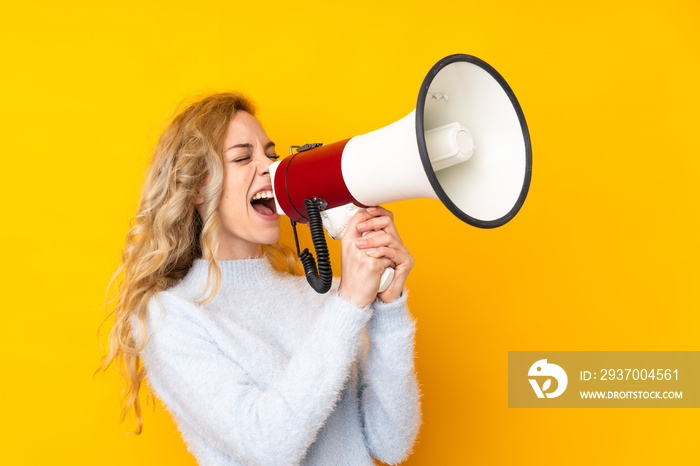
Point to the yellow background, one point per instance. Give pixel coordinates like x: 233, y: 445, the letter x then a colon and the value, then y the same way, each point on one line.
x: 603, y: 256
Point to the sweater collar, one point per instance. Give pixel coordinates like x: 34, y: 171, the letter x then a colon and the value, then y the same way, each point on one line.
x: 243, y: 272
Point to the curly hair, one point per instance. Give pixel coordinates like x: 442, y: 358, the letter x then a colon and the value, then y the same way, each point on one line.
x: 168, y: 233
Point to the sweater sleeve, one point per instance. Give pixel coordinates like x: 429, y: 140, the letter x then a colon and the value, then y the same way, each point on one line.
x: 214, y: 395
x: 388, y: 387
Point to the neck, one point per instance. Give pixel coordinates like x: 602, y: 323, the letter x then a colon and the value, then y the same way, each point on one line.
x: 239, y: 272
x: 235, y: 252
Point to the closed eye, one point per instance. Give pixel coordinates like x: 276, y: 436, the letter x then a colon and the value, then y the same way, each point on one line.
x: 246, y: 158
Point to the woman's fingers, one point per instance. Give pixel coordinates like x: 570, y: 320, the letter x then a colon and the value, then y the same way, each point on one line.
x: 361, y: 272
x: 370, y: 245
x: 376, y: 238
x: 383, y: 222
x: 378, y: 220
x: 379, y: 210
x: 352, y: 231
x: 398, y: 257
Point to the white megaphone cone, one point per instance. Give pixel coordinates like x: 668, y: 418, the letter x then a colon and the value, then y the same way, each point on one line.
x: 466, y: 143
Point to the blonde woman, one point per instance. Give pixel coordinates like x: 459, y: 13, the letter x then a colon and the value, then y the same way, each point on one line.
x: 255, y: 366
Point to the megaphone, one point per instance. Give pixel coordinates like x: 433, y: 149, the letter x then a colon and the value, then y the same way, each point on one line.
x: 466, y: 144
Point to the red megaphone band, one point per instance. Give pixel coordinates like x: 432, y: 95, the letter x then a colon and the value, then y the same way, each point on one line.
x: 312, y: 173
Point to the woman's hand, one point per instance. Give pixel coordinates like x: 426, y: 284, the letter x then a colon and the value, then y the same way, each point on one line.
x: 364, y: 258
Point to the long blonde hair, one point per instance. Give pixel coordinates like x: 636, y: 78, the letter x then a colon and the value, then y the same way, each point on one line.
x: 168, y: 233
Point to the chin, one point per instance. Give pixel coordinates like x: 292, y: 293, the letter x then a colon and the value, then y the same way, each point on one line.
x: 272, y: 236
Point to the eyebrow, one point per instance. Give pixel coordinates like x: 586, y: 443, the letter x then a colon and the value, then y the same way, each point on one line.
x: 248, y: 145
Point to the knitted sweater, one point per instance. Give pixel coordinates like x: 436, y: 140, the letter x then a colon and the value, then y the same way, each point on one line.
x: 271, y: 373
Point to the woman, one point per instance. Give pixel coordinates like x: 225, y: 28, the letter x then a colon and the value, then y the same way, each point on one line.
x: 255, y: 366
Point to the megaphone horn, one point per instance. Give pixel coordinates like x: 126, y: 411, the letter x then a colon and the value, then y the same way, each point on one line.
x: 466, y: 143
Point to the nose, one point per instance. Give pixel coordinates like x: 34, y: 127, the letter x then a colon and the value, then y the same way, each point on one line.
x: 264, y: 163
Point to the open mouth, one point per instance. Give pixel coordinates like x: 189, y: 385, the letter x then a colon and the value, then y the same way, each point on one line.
x: 264, y: 202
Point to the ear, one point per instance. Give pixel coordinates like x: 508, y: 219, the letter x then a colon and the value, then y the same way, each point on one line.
x: 199, y: 200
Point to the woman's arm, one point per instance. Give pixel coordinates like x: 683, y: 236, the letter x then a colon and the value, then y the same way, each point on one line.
x: 389, y: 389
x: 389, y: 395
x: 213, y: 394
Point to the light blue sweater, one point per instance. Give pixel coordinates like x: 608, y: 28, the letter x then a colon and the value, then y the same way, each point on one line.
x: 272, y: 373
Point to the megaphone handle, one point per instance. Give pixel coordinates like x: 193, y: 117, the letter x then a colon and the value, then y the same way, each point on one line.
x: 385, y: 281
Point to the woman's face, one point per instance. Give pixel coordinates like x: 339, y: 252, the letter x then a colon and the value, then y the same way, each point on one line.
x: 247, y: 207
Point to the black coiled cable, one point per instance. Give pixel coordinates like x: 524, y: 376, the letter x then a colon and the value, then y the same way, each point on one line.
x: 320, y: 279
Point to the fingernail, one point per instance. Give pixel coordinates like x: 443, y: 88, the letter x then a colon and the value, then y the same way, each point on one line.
x: 361, y: 242
x: 361, y: 226
x: 371, y: 209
